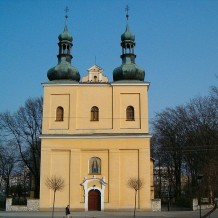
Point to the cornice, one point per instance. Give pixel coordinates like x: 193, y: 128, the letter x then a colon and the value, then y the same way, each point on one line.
x: 95, y: 136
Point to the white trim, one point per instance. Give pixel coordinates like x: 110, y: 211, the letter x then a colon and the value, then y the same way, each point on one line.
x: 85, y: 183
x: 94, y: 67
x: 77, y: 84
x: 97, y: 84
x: 130, y: 84
x: 92, y: 136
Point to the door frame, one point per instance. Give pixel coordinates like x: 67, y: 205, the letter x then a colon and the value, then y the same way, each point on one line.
x: 87, y: 189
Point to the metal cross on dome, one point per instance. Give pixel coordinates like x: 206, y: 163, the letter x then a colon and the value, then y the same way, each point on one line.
x: 66, y: 10
x: 127, y: 12
x: 66, y: 16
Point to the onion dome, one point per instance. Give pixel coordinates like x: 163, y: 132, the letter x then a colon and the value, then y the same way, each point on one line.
x: 127, y: 35
x: 64, y: 70
x: 128, y: 69
x: 65, y: 36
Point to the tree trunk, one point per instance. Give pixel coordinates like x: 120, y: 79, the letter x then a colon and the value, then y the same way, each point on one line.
x: 53, y: 205
x: 135, y: 203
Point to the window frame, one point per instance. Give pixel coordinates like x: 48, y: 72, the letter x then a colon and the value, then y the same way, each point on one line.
x: 94, y: 113
x: 130, y: 113
x: 59, y: 114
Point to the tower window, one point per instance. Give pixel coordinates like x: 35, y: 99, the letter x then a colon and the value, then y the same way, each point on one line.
x: 59, y: 114
x: 94, y: 165
x: 94, y: 113
x: 130, y: 113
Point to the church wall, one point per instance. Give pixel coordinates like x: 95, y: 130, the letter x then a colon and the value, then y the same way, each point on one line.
x: 69, y: 158
x: 129, y: 169
x: 55, y: 163
x: 130, y: 99
x: 60, y: 159
x: 121, y: 158
x: 112, y: 101
x: 114, y: 179
x: 130, y: 95
x: 45, y: 195
x: 57, y: 100
x: 145, y: 173
x: 75, y: 172
x: 87, y: 97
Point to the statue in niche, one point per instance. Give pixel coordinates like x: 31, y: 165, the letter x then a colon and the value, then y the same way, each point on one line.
x: 95, y: 165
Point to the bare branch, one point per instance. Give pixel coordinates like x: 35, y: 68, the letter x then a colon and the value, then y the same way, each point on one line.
x: 55, y: 183
x: 135, y: 183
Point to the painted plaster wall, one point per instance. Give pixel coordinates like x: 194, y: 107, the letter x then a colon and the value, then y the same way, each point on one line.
x: 68, y: 145
x: 112, y: 101
x: 119, y: 161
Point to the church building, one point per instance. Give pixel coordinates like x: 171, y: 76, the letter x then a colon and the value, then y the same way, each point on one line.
x: 95, y: 133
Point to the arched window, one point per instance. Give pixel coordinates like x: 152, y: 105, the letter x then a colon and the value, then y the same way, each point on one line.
x: 94, y: 165
x: 94, y: 113
x: 59, y: 114
x: 95, y: 79
x: 130, y: 113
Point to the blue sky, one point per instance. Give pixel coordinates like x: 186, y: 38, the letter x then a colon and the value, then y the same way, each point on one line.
x: 176, y: 44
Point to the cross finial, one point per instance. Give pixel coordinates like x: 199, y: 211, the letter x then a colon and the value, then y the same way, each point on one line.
x: 66, y: 10
x: 66, y: 16
x: 127, y: 12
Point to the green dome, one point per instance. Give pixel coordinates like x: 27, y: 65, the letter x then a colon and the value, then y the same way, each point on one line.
x: 65, y: 35
x: 128, y: 71
x: 63, y: 71
x: 127, y: 35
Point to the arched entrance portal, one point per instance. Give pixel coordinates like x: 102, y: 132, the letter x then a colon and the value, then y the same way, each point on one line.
x: 94, y: 200
x: 90, y: 191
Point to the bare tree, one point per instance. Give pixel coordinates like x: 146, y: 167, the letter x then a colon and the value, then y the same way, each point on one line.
x: 136, y: 184
x: 22, y: 129
x: 55, y: 183
x: 168, y: 132
x: 8, y: 160
x: 185, y: 141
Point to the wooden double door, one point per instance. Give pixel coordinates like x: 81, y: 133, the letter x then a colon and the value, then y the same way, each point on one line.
x: 94, y: 200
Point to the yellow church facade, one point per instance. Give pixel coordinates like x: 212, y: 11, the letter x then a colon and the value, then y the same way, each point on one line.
x: 95, y: 134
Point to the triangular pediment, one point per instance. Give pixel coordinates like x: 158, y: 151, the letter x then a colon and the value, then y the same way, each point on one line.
x: 95, y: 75
x: 95, y: 68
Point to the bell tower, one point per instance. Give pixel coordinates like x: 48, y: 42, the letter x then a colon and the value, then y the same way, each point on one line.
x: 64, y: 70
